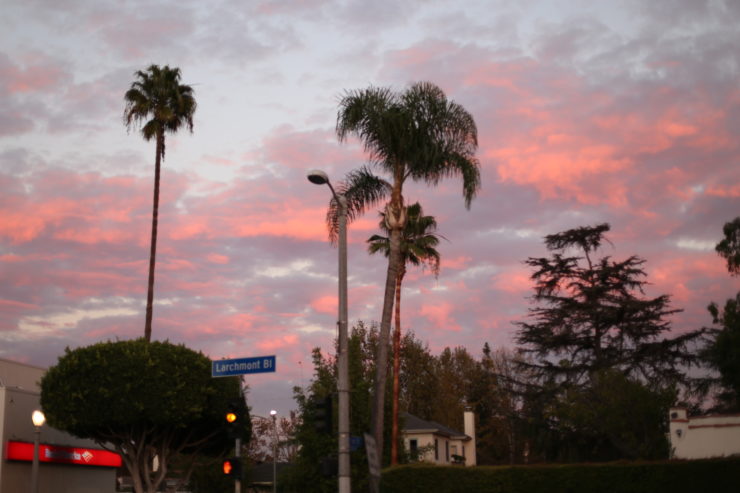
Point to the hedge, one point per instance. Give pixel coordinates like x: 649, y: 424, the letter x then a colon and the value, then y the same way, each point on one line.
x: 617, y: 477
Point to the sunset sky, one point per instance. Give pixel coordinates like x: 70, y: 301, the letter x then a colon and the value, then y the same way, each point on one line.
x: 626, y: 112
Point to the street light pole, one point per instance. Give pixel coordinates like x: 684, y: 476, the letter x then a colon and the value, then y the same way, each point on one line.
x: 38, y: 419
x: 237, y: 454
x: 320, y: 178
x: 273, y: 413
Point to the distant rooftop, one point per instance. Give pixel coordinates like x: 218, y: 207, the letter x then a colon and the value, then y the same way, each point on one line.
x: 414, y: 424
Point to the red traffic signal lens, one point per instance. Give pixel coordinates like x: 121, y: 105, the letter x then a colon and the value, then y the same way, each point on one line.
x: 232, y: 467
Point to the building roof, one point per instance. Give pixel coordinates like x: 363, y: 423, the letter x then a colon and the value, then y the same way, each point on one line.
x: 14, y: 374
x: 413, y: 424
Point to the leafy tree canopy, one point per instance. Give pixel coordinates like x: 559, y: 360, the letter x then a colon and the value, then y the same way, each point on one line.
x: 729, y: 247
x: 723, y: 352
x: 614, y: 418
x: 142, y: 400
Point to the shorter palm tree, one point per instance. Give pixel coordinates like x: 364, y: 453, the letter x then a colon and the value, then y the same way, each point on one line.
x: 418, y: 247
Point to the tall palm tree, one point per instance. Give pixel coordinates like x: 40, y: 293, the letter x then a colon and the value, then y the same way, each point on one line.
x: 418, y: 247
x: 415, y: 135
x: 157, y: 103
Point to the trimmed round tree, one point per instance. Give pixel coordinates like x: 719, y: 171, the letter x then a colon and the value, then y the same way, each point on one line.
x: 143, y: 400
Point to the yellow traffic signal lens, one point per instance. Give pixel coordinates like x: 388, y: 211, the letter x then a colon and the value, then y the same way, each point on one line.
x: 230, y: 417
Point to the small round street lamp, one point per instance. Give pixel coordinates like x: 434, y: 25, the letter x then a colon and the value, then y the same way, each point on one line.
x: 273, y: 413
x: 38, y: 419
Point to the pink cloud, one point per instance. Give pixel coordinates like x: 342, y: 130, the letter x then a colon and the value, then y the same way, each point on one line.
x: 217, y: 259
x: 730, y: 191
x: 35, y: 73
x: 278, y: 343
x: 440, y: 315
x: 220, y: 161
x: 16, y: 305
x: 570, y: 137
x: 11, y: 258
x: 81, y: 208
x: 303, y: 150
x: 514, y: 281
x: 20, y: 228
x: 325, y: 304
x: 457, y: 263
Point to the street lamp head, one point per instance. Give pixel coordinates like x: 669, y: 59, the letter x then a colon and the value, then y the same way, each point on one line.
x: 273, y: 413
x: 318, y: 177
x: 38, y: 418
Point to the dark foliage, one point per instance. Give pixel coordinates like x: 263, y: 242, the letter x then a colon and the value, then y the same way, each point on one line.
x: 722, y: 353
x: 729, y: 247
x: 592, y: 315
x: 594, y: 324
x: 675, y: 477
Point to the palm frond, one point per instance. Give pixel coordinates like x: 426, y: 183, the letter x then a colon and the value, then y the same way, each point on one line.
x: 362, y: 189
x: 419, y: 239
x: 157, y: 103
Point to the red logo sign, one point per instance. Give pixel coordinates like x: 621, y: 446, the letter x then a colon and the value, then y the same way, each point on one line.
x: 23, y: 451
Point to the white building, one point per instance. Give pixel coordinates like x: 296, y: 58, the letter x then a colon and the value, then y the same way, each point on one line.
x: 702, y: 437
x: 67, y: 464
x: 436, y: 443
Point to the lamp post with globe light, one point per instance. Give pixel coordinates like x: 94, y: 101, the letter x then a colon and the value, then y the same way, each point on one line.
x: 38, y: 419
x: 318, y: 177
x: 273, y: 414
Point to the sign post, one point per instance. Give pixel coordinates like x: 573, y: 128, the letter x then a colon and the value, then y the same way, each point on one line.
x: 241, y: 366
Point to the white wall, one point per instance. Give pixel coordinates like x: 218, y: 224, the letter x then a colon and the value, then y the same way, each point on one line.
x: 703, y: 437
x: 470, y: 454
x: 427, y: 440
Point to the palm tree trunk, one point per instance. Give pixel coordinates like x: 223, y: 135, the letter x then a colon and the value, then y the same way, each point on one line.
x: 396, y: 368
x: 381, y: 364
x: 153, y: 247
x: 396, y: 214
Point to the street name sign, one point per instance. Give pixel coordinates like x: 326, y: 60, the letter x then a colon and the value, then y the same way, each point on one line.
x: 242, y: 366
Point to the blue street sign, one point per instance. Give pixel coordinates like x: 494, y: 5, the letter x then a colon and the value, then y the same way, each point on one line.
x: 242, y: 366
x: 355, y: 443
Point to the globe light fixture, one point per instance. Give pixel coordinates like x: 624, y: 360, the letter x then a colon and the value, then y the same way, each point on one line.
x: 273, y: 413
x: 38, y: 419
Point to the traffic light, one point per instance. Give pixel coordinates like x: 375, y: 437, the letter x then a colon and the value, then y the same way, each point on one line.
x: 232, y: 467
x: 329, y: 466
x: 322, y: 415
x: 233, y: 419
